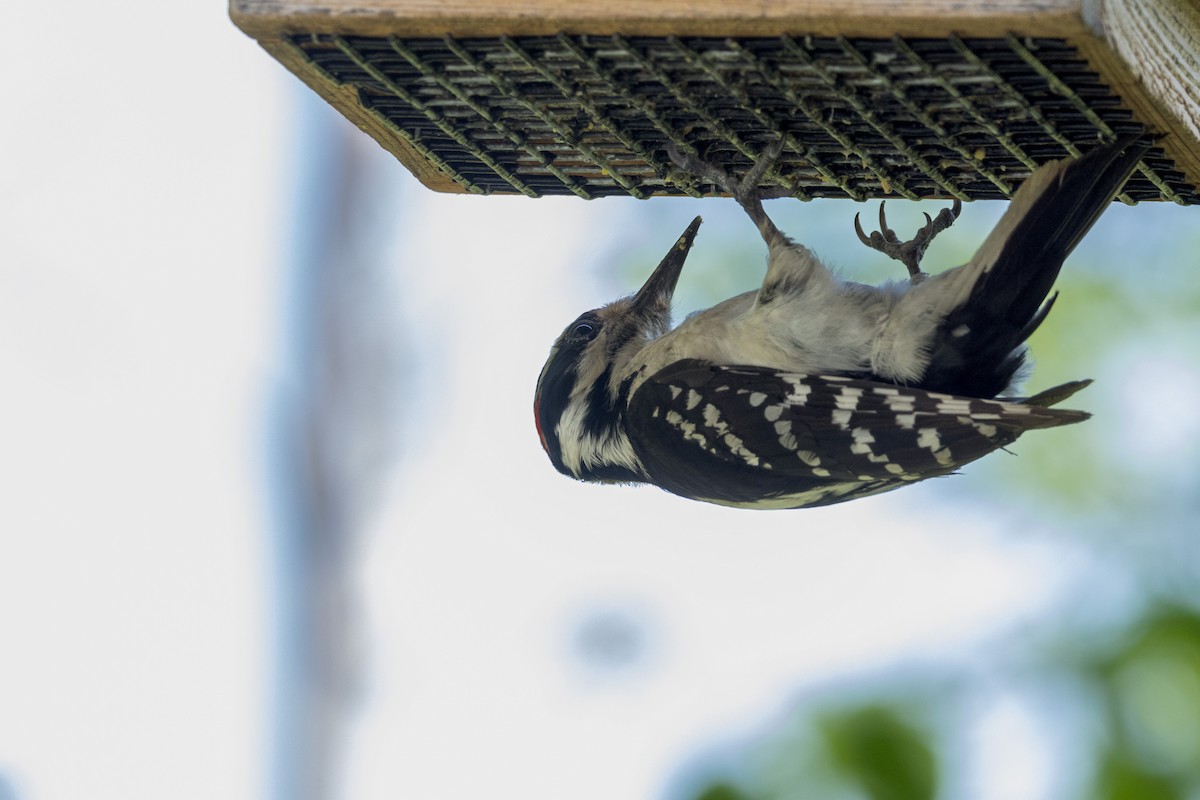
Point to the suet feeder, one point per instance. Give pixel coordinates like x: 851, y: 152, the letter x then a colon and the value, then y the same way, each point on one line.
x: 877, y: 98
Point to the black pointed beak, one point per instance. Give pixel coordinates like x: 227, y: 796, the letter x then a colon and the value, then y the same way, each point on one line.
x: 655, y: 295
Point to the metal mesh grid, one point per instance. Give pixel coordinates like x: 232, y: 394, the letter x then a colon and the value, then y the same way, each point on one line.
x: 866, y: 118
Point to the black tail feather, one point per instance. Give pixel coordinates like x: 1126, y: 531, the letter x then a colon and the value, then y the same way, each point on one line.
x: 975, y: 351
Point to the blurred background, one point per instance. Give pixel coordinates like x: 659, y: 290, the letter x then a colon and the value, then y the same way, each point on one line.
x: 275, y: 522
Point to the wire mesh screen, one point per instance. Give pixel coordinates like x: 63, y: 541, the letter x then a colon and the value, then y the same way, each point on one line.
x: 864, y: 118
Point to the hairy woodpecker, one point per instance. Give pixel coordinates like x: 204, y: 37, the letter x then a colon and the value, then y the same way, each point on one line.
x: 814, y: 390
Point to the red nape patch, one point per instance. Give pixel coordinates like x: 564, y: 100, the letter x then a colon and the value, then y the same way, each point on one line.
x: 537, y: 420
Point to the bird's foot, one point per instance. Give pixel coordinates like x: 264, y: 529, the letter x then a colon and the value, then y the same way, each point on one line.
x: 911, y: 252
x: 746, y: 191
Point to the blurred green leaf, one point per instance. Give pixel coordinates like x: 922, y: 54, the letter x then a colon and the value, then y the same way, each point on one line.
x: 1120, y: 779
x: 1153, y: 682
x: 722, y: 791
x: 882, y: 752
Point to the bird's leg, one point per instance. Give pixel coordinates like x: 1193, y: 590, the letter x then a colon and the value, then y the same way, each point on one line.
x: 746, y: 192
x: 911, y: 252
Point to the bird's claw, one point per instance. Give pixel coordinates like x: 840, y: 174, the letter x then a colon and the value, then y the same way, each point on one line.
x: 911, y: 252
x: 747, y: 191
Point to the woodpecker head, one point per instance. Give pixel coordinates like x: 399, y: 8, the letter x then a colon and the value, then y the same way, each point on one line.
x: 579, y: 405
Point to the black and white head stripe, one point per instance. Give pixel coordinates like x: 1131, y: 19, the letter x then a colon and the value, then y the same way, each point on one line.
x: 557, y: 381
x: 580, y: 422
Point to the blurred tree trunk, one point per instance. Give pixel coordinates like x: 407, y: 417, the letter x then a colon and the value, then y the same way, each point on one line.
x: 334, y: 434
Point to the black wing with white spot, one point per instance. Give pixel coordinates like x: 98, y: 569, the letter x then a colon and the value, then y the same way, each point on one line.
x: 734, y: 434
